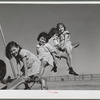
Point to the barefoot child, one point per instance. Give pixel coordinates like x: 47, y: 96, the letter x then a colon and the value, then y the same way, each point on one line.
x: 31, y: 64
x: 45, y: 52
x: 61, y: 53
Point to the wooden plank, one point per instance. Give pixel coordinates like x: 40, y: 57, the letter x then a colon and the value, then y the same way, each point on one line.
x: 13, y: 84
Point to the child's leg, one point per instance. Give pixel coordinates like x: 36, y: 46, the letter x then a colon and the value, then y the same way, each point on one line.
x: 26, y: 86
x: 68, y: 50
x: 34, y: 78
x: 43, y: 82
x: 54, y: 68
x: 64, y: 55
x: 71, y: 71
x: 43, y: 65
x: 68, y: 61
x: 69, y: 56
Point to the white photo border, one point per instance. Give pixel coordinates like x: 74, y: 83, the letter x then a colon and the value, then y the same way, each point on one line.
x: 49, y: 94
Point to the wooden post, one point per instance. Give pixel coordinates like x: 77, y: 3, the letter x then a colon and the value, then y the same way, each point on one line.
x: 67, y: 77
x: 4, y: 41
x: 82, y: 77
x: 74, y: 78
x: 91, y: 76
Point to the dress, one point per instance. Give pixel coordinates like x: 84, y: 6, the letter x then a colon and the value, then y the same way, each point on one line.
x: 65, y: 41
x: 54, y: 41
x: 32, y: 62
x: 62, y: 41
x: 44, y: 53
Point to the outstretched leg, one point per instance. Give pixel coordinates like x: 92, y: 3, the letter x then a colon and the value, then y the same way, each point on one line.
x: 65, y: 56
x: 43, y: 65
x: 69, y: 57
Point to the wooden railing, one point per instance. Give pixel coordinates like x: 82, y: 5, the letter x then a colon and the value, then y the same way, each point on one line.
x: 73, y: 78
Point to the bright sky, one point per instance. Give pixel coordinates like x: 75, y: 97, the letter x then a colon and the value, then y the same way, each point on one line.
x: 23, y: 23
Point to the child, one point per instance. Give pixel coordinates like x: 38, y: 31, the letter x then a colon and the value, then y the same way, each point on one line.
x: 2, y: 70
x: 31, y: 64
x: 64, y: 40
x: 55, y: 42
x: 45, y: 52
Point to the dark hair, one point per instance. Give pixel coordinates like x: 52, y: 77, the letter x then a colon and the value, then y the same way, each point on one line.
x: 52, y: 32
x: 8, y: 48
x: 2, y: 69
x: 62, y: 25
x: 43, y: 34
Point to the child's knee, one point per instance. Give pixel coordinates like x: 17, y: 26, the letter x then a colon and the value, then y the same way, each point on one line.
x: 39, y: 79
x: 44, y: 64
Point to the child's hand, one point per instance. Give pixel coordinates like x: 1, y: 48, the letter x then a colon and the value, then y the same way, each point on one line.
x: 57, y: 56
x: 58, y: 46
x: 26, y: 78
x: 18, y: 75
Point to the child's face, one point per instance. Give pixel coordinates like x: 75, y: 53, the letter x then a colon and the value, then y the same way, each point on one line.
x: 42, y: 40
x: 14, y: 51
x: 61, y: 28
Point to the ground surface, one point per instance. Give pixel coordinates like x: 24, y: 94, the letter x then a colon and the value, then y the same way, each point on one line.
x: 69, y: 85
x: 72, y: 85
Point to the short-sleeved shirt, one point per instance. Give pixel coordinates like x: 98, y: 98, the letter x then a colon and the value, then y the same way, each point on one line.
x: 32, y: 62
x: 65, y: 41
x: 64, y: 38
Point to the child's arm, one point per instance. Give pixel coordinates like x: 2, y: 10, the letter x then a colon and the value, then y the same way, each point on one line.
x: 25, y: 67
x: 37, y: 51
x: 56, y: 42
x: 54, y: 58
x: 19, y: 70
x: 67, y: 35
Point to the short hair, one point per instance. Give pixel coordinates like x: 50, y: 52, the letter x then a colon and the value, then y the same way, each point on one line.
x: 52, y: 32
x: 62, y: 25
x: 43, y: 34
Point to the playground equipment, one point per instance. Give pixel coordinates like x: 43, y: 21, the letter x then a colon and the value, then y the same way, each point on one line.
x: 4, y: 41
x: 16, y: 82
x: 19, y: 84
